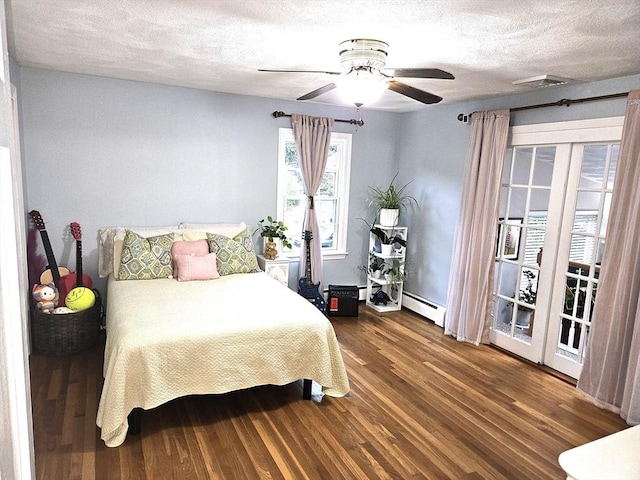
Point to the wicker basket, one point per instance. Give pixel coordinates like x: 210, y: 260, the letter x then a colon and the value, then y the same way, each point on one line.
x: 61, y: 334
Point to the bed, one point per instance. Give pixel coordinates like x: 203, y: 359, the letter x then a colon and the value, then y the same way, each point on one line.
x: 168, y: 338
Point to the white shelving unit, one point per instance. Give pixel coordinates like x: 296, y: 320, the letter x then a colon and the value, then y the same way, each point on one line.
x: 393, y: 260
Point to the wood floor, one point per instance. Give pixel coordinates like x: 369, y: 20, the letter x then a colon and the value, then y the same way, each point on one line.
x: 421, y: 406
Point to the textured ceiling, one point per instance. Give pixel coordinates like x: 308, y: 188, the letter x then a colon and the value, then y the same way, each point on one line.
x: 219, y: 45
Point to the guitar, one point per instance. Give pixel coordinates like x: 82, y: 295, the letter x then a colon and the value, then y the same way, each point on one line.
x: 306, y: 287
x: 77, y: 279
x: 53, y: 272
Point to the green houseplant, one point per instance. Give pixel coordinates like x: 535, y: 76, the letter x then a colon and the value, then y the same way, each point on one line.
x: 375, y: 267
x: 385, y: 237
x: 527, y: 293
x: 274, y: 229
x: 390, y: 201
x: 395, y: 274
x: 270, y: 230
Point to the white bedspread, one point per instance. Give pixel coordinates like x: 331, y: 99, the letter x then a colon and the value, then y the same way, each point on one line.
x: 167, y: 339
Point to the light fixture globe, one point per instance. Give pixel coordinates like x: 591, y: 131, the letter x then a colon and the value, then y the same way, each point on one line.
x: 362, y: 85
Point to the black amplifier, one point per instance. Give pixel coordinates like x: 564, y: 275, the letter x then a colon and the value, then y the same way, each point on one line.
x: 343, y: 300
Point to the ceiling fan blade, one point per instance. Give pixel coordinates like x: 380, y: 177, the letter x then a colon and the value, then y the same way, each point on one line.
x: 317, y: 92
x: 419, y: 95
x: 299, y: 71
x: 418, y: 73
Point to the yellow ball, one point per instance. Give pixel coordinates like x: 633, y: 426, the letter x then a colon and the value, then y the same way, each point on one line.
x: 80, y: 298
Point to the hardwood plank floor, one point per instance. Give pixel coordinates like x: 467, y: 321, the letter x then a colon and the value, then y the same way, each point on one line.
x: 422, y: 405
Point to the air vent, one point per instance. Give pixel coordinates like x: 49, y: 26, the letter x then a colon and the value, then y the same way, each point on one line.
x: 543, y: 81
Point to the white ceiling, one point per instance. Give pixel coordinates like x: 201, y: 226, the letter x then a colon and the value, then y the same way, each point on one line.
x: 220, y: 44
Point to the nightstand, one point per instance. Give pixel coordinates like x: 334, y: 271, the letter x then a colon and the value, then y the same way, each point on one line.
x: 277, y: 268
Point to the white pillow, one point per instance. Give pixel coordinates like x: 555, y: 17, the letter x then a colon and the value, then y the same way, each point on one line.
x: 227, y: 229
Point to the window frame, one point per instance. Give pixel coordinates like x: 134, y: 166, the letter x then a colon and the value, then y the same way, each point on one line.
x: 344, y: 141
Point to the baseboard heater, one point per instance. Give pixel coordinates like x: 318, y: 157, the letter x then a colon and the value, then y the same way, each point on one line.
x: 421, y: 306
x: 426, y: 308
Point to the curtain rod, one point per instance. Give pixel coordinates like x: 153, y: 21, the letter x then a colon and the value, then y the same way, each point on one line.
x: 360, y: 122
x: 564, y: 102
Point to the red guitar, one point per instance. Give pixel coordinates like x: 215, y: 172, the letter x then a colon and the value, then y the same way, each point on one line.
x: 53, y: 272
x: 75, y: 279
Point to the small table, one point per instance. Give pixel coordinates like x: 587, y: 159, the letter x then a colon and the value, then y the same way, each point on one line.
x: 277, y: 268
x: 613, y: 457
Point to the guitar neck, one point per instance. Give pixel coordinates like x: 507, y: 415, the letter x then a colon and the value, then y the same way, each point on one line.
x: 308, y: 269
x: 79, y: 263
x: 51, y: 259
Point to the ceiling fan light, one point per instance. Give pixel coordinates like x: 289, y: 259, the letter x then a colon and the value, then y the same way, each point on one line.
x: 361, y: 86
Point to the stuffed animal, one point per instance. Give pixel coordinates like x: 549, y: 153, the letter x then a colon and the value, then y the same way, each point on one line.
x: 380, y: 298
x: 270, y: 251
x: 46, y: 297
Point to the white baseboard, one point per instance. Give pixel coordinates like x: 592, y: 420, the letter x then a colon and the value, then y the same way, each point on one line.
x: 426, y: 308
x: 362, y: 293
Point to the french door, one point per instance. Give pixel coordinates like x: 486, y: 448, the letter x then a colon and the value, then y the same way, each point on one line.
x: 554, y: 205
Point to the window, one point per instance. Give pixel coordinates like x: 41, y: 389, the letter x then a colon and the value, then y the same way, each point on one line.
x: 331, y: 200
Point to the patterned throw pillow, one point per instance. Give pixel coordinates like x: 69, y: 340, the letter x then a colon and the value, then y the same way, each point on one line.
x: 145, y: 258
x: 234, y: 255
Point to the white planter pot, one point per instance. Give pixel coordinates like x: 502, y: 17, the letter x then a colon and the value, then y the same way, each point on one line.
x: 386, y: 249
x: 389, y: 217
x: 523, y: 319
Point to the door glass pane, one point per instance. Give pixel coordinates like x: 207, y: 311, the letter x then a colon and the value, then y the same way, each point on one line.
x: 522, y: 166
x: 613, y: 163
x: 543, y: 169
x: 593, y: 166
x: 540, y: 200
x: 605, y: 213
x: 506, y: 166
x: 517, y: 202
x: 504, y: 191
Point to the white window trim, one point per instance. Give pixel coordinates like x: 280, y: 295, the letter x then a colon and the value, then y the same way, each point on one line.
x: 340, y: 252
x: 575, y: 131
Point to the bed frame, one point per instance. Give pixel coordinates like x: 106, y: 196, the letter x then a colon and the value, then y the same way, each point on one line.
x: 135, y: 417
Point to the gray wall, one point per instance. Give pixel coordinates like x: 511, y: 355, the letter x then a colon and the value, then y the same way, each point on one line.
x: 107, y: 152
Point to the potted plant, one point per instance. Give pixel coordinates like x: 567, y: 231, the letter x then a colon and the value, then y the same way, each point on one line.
x: 528, y: 296
x: 387, y: 240
x: 273, y: 233
x: 570, y: 299
x: 390, y: 201
x: 395, y: 276
x: 375, y: 268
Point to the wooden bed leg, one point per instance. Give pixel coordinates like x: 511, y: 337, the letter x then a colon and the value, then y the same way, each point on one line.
x: 306, y: 389
x: 135, y: 421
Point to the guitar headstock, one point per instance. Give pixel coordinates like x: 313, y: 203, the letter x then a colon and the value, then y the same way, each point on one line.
x: 76, y: 231
x: 308, y: 236
x: 37, y: 219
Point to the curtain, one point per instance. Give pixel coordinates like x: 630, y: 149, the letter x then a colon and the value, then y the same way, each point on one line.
x: 471, y: 279
x: 313, y: 136
x: 611, y: 372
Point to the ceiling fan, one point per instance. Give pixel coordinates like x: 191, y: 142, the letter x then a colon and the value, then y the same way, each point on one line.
x: 364, y: 77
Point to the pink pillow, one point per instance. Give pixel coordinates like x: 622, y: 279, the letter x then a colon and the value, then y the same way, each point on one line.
x: 196, y: 267
x: 197, y: 247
